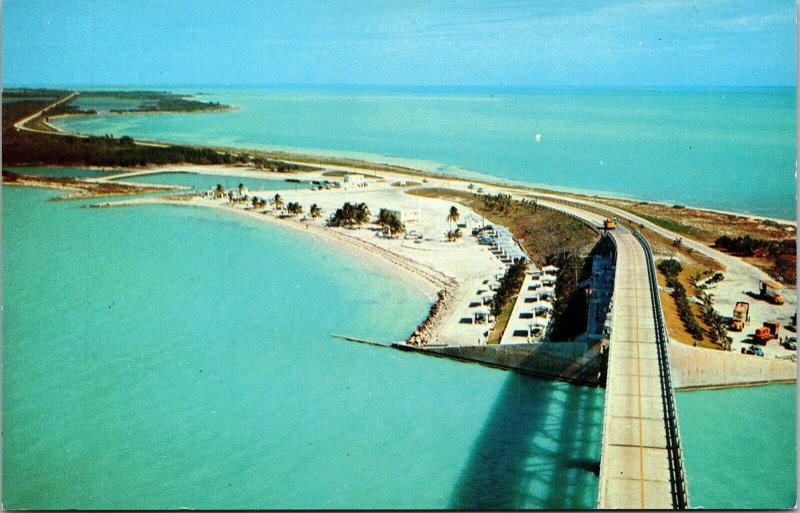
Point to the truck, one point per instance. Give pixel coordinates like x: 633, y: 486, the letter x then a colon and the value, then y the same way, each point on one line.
x: 767, y: 332
x: 771, y: 291
x: 741, y: 316
x: 610, y: 224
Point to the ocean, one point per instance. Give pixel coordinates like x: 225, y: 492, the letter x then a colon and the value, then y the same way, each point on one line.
x: 166, y: 357
x: 162, y: 357
x: 730, y: 149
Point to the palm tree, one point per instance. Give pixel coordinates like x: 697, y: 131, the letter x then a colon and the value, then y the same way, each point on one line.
x: 219, y: 191
x: 314, y: 211
x: 241, y: 189
x: 454, y: 216
x: 278, y: 202
x: 361, y: 214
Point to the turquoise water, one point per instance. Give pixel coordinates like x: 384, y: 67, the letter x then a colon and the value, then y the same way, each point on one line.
x: 740, y: 447
x: 103, y: 104
x: 731, y: 149
x: 201, y: 182
x: 162, y: 357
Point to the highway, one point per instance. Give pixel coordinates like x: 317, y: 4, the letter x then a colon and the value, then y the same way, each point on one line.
x: 641, y: 460
x: 638, y: 468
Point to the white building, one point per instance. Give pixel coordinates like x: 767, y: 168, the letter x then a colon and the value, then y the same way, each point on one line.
x: 408, y: 216
x: 354, y: 179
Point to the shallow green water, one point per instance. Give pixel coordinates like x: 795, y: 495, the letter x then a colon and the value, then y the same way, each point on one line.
x: 702, y: 147
x: 165, y: 357
x: 740, y: 447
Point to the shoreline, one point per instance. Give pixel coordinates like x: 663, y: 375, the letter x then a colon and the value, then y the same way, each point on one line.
x: 356, y: 161
x: 429, y: 281
x: 406, y: 269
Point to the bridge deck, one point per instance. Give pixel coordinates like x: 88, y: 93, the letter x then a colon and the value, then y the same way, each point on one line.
x: 636, y: 470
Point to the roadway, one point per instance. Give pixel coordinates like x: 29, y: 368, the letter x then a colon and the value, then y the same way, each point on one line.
x: 636, y: 463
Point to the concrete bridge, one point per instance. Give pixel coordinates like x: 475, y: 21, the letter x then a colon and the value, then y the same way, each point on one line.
x: 641, y: 465
x: 641, y: 462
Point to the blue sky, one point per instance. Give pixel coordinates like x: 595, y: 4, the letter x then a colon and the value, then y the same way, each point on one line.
x: 532, y: 43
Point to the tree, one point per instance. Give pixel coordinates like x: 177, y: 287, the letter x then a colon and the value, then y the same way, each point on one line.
x: 390, y: 222
x: 256, y: 202
x: 278, y: 202
x: 219, y: 191
x: 453, y: 235
x: 453, y: 216
x: 314, y: 211
x: 361, y: 215
x: 241, y: 189
x: 294, y: 208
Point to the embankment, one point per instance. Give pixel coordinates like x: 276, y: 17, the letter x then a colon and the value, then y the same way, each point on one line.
x: 696, y: 367
x: 565, y: 361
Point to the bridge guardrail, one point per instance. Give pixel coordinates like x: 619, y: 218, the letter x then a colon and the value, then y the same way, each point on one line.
x: 680, y: 495
x: 601, y: 476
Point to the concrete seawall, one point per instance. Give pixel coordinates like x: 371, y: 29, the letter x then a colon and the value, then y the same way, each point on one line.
x: 565, y: 361
x: 695, y: 367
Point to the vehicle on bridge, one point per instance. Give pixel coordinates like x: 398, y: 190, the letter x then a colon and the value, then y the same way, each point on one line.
x: 771, y: 291
x: 610, y: 224
x: 767, y: 332
x: 754, y: 349
x: 741, y: 316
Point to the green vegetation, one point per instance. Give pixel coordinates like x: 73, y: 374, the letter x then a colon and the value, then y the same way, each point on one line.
x: 314, y: 211
x: 500, y: 324
x: 781, y: 253
x: 453, y: 216
x: 259, y: 203
x: 671, y: 225
x: 509, y: 285
x: 453, y: 235
x: 341, y: 174
x: 541, y: 231
x: 390, y: 223
x: 569, y: 310
x: 350, y: 215
x: 718, y: 328
x: 21, y: 148
x: 294, y: 208
x: 671, y: 269
x: 277, y: 202
x: 278, y: 166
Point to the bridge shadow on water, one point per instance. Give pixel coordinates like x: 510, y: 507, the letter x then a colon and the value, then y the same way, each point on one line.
x: 539, y: 448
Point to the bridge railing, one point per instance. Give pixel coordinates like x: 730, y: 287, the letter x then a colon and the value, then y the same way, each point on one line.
x: 680, y: 495
x: 602, y: 477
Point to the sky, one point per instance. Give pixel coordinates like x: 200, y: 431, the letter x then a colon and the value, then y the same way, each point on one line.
x: 428, y: 43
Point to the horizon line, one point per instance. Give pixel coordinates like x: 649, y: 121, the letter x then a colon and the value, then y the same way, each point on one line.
x: 402, y: 86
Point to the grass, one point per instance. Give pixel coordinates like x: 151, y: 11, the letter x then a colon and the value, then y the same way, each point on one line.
x: 542, y: 232
x: 675, y: 326
x: 501, y: 322
x: 341, y: 174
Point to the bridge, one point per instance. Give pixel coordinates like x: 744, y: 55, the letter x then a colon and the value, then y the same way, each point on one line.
x: 641, y: 462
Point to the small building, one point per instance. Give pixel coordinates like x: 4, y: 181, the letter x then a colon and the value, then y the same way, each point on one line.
x: 408, y: 216
x: 354, y: 179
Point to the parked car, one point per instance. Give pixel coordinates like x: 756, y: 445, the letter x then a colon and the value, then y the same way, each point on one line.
x: 753, y: 349
x: 790, y: 343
